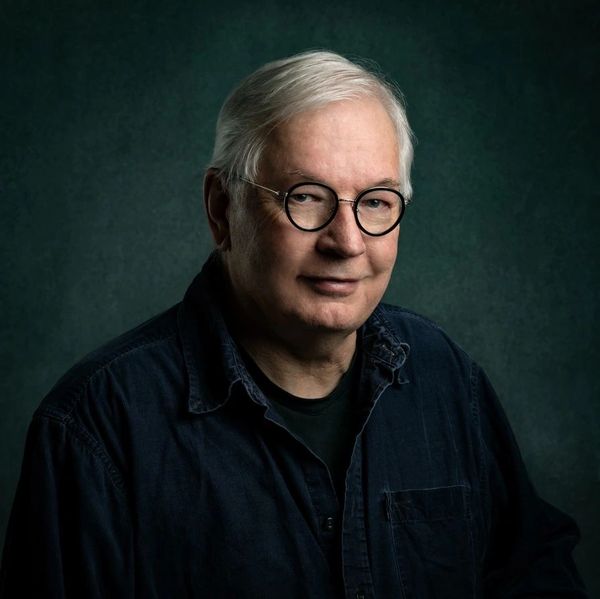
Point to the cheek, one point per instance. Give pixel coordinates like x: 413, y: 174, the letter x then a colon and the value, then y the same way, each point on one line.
x: 250, y: 246
x: 384, y: 255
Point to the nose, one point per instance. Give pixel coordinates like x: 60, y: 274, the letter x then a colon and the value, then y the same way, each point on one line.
x: 342, y: 235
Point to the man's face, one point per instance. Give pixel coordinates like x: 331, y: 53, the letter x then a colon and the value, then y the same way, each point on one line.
x: 289, y: 281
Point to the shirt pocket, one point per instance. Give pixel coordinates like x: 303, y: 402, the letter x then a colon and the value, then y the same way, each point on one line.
x: 433, y: 541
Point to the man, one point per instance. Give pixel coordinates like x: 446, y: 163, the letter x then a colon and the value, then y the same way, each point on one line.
x: 280, y: 433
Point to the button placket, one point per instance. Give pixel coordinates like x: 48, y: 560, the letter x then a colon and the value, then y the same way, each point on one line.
x: 328, y: 524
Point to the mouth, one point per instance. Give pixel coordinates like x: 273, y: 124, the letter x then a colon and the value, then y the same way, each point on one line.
x: 332, y: 286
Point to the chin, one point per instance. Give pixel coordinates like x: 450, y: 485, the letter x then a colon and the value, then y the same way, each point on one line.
x: 334, y: 319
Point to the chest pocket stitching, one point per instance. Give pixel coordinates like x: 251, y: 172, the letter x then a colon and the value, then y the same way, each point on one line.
x: 428, y: 510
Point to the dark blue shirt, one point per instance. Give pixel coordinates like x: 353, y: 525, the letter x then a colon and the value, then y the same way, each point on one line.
x: 157, y: 468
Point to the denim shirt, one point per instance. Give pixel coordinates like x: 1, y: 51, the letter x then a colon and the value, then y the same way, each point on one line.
x: 156, y: 468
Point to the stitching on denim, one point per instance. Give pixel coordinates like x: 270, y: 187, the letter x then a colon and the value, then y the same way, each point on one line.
x: 78, y: 388
x: 91, y: 445
x: 459, y: 486
x: 401, y: 577
x: 396, y: 523
x: 415, y: 315
x: 172, y: 335
x: 424, y: 320
x: 451, y: 432
x: 67, y: 419
x: 128, y: 351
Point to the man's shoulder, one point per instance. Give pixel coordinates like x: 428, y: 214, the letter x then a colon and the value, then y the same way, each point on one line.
x: 423, y: 336
x: 128, y: 360
x: 408, y: 323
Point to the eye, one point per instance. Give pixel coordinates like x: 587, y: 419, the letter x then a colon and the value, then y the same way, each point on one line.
x: 303, y: 198
x: 374, y: 204
x: 306, y: 197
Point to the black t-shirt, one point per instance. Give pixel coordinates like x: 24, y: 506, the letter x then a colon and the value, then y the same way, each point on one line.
x: 327, y: 425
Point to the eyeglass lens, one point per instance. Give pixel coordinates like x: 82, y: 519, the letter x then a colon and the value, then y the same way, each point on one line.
x: 310, y: 206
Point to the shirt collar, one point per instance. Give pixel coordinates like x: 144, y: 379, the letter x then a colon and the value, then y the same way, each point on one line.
x: 381, y: 343
x: 212, y: 360
x: 211, y: 357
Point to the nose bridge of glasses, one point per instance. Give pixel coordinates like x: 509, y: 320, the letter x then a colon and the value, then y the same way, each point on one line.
x: 352, y: 204
x: 344, y: 220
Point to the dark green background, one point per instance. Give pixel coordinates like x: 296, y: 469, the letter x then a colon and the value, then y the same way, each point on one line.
x: 106, y: 121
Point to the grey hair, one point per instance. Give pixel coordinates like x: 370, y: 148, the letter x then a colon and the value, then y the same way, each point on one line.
x: 283, y: 88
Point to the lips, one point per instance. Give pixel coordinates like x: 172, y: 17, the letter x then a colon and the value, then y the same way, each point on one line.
x: 332, y: 286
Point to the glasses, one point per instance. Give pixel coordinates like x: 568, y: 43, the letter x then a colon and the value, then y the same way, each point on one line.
x: 312, y: 206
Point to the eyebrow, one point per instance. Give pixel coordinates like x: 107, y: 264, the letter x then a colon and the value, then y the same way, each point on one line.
x: 387, y: 182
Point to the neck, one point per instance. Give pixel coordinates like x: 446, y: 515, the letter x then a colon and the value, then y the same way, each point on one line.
x: 305, y: 362
x: 308, y: 374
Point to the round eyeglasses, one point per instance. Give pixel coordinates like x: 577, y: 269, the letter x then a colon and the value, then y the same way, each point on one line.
x: 312, y: 206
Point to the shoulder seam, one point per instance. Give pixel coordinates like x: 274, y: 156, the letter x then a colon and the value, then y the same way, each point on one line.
x: 126, y: 351
x: 66, y: 417
x: 80, y: 386
x: 88, y: 443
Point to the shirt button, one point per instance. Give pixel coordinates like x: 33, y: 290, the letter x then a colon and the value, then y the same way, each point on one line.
x: 328, y: 524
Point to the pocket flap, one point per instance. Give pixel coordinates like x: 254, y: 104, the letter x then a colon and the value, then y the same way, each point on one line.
x: 440, y: 503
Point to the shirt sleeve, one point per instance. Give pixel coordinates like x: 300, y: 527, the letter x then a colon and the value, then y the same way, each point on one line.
x: 69, y: 530
x: 529, y: 554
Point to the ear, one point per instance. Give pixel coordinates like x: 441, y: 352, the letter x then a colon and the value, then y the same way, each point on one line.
x: 216, y: 202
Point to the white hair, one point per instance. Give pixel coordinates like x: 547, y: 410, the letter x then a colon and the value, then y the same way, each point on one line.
x: 287, y: 87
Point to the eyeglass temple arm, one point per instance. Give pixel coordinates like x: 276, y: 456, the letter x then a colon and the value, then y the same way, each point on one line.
x: 279, y: 194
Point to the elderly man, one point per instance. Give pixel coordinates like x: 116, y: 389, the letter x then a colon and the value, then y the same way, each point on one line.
x: 280, y: 433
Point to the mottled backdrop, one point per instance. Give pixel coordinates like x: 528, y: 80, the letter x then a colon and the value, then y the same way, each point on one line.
x: 106, y: 123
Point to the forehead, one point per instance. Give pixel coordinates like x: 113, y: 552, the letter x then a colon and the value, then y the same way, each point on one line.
x: 349, y: 144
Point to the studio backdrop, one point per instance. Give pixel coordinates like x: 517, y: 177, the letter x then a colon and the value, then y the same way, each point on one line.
x: 106, y: 124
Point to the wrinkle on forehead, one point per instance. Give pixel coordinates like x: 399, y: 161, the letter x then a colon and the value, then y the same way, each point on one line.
x: 387, y: 182
x: 349, y: 145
